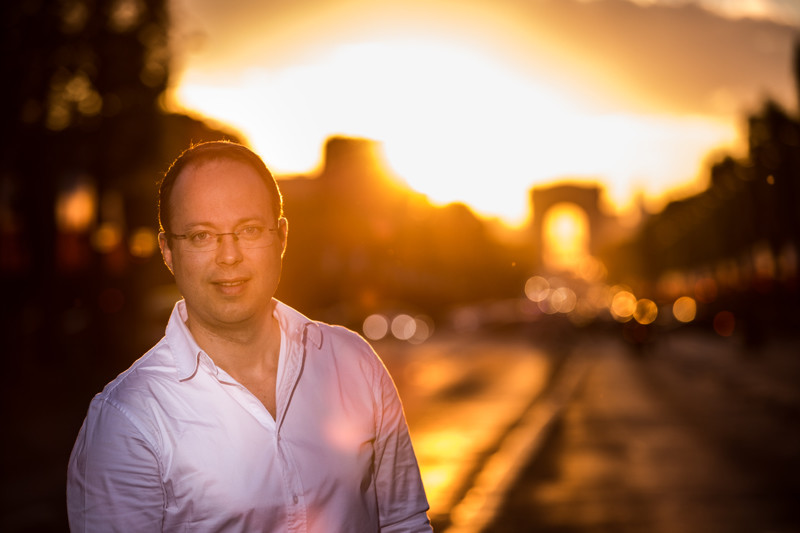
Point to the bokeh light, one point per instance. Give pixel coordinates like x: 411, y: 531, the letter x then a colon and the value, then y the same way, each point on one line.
x: 537, y: 288
x: 75, y: 208
x: 375, y: 327
x: 645, y: 311
x: 107, y: 237
x: 623, y: 305
x: 423, y: 329
x: 403, y: 327
x: 143, y: 243
x: 563, y: 300
x: 546, y: 306
x: 684, y: 309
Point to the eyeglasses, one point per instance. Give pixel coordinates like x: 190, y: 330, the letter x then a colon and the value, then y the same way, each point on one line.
x: 252, y: 236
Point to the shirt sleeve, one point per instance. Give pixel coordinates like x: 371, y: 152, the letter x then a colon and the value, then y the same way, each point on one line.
x: 113, y: 477
x: 402, y: 505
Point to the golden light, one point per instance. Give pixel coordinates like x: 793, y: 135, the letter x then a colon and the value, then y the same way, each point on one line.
x: 107, y: 237
x: 599, y: 296
x: 437, y: 471
x: 645, y: 312
x: 623, y: 305
x: 563, y: 300
x: 591, y: 269
x: 684, y: 309
x: 566, y: 237
x: 76, y: 208
x: 537, y: 288
x: 143, y: 242
x: 458, y: 121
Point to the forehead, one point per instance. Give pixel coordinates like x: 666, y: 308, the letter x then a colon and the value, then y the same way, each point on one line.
x: 218, y: 187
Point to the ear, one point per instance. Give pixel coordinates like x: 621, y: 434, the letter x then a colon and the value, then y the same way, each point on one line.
x: 166, y: 251
x: 283, y: 233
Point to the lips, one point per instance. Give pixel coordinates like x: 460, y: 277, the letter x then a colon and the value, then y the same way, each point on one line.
x: 230, y: 286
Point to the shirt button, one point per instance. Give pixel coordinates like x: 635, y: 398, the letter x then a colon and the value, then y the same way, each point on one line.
x: 294, y: 498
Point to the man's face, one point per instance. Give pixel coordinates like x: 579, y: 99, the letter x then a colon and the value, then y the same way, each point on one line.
x: 231, y: 286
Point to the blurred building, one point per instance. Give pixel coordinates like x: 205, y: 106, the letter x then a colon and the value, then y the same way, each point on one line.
x: 734, y: 246
x: 361, y: 241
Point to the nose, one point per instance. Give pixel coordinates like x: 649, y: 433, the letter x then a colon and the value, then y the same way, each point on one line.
x: 228, y: 250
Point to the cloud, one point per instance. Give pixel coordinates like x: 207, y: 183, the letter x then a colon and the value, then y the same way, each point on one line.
x: 655, y: 55
x: 682, y: 58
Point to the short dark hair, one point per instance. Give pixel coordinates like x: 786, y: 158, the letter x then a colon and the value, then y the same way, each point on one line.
x: 213, y: 151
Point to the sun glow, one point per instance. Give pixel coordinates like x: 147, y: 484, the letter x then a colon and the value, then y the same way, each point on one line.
x: 566, y: 237
x: 455, y: 123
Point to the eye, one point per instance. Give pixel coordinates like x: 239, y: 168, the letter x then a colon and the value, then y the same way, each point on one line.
x: 251, y: 232
x: 200, y: 236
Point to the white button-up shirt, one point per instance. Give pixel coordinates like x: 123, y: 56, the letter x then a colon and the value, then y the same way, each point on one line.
x: 174, y: 443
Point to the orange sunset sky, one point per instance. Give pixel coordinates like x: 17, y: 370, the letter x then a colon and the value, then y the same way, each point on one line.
x: 479, y: 100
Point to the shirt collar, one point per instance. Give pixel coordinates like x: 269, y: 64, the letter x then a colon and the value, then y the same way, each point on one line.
x: 293, y: 323
x: 187, y: 353
x: 184, y: 348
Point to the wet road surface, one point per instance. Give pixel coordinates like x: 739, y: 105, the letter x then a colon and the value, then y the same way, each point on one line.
x: 698, y: 435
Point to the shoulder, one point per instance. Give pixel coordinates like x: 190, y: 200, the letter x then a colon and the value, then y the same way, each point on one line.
x: 334, y: 347
x: 157, y: 365
x: 321, y: 335
x: 341, y: 338
x: 341, y: 335
x: 139, y: 390
x: 348, y: 350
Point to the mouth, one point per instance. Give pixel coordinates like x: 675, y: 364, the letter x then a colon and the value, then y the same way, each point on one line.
x: 229, y: 286
x: 235, y: 283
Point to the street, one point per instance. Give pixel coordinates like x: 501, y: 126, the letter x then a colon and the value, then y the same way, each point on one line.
x: 461, y: 394
x: 696, y: 433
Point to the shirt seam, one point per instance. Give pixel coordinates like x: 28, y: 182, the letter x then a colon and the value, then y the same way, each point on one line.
x: 144, y: 434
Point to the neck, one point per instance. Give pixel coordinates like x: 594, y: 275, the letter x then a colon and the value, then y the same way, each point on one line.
x: 244, y: 348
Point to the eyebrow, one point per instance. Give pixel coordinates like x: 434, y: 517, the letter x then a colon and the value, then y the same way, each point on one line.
x: 240, y: 222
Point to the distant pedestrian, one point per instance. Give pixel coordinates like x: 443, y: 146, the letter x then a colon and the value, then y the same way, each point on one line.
x: 246, y: 416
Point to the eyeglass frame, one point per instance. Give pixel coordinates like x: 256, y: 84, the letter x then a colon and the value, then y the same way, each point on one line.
x: 218, y: 236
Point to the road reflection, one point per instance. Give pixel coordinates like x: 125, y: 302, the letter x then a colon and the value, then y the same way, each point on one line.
x: 462, y: 393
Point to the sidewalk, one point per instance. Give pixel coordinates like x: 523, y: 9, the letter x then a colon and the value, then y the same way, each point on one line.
x: 625, y: 457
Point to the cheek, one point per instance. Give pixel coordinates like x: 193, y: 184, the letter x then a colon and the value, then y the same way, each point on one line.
x: 270, y: 266
x: 276, y: 260
x: 187, y: 270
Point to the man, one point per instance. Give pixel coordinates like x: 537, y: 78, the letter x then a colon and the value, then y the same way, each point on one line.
x: 246, y: 416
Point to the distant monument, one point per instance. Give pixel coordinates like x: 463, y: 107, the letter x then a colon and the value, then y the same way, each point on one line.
x: 586, y: 197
